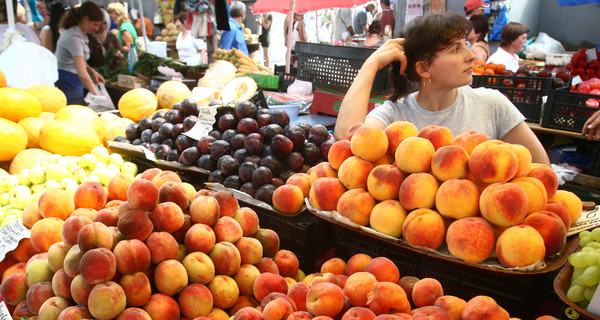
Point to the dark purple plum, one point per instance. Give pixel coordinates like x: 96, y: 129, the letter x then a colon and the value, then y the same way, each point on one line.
x: 227, y: 134
x: 156, y: 138
x: 318, y: 134
x: 136, y: 142
x: 189, y: 107
x: 122, y: 139
x: 266, y: 151
x: 215, y: 102
x: 247, y: 125
x: 189, y: 156
x: 261, y: 175
x: 145, y: 123
x: 263, y: 119
x: 183, y: 142
x: 145, y: 145
x: 216, y: 176
x: 176, y: 106
x: 177, y: 130
x: 205, y: 143
x: 281, y: 145
x: 216, y: 134
x: 264, y: 193
x: 270, y: 130
x: 276, y: 182
x: 240, y: 155
x: 207, y: 162
x: 173, y: 155
x: 325, y: 146
x: 189, y: 122
x: 232, y: 181
x: 306, y: 126
x: 245, y: 170
x: 272, y: 163
x: 132, y: 131
x: 248, y: 188
x: 245, y: 109
x: 174, y: 116
x: 161, y: 152
x: 165, y: 130
x: 156, y: 123
x: 159, y: 114
x: 170, y: 143
x: 253, y: 158
x: 253, y: 143
x: 263, y: 111
x: 310, y: 152
x: 296, y: 134
x: 228, y: 165
x: 220, y: 148
x: 153, y: 147
x: 226, y: 121
x: 146, y: 135
x: 286, y: 174
x: 294, y: 161
x: 280, y: 117
x: 237, y: 141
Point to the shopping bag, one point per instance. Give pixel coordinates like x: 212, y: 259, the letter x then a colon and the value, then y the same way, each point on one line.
x: 26, y: 64
x: 100, y: 102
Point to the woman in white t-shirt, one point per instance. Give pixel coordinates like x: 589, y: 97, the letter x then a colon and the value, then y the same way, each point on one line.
x: 435, y: 56
x: 192, y: 51
x: 512, y: 41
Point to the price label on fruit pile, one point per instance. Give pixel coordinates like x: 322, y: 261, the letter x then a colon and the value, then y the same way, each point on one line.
x: 10, y: 236
x: 4, y: 313
x: 204, y: 125
x: 588, y: 219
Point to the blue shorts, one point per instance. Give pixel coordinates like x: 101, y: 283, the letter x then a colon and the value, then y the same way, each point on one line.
x: 71, y: 86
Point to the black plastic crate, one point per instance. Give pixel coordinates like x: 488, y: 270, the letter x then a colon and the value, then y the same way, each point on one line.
x: 528, y: 100
x: 566, y: 110
x: 336, y: 65
x: 305, y: 234
x: 517, y: 292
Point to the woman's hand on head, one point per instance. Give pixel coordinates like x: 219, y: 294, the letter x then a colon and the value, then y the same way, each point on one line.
x: 392, y: 50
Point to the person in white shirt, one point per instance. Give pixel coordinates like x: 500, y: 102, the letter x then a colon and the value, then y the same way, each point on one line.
x: 512, y: 41
x: 192, y: 51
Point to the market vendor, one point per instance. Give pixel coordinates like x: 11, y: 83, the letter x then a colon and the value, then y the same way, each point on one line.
x: 190, y: 50
x: 512, y: 41
x: 72, y: 51
x: 234, y: 37
x: 127, y: 34
x: 434, y: 55
x: 103, y: 41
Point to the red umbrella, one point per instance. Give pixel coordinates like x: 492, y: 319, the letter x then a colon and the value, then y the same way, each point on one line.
x: 300, y: 6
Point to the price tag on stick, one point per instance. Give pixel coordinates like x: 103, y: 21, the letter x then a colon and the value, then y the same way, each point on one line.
x: 204, y: 125
x: 4, y: 313
x: 10, y: 236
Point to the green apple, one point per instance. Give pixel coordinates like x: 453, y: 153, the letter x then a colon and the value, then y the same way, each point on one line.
x: 14, y: 212
x: 8, y: 182
x: 71, y: 189
x: 87, y: 161
x: 55, y: 172
x: 20, y: 196
x: 50, y: 184
x: 91, y: 178
x: 36, y: 196
x: 116, y: 159
x: 114, y: 168
x: 78, y: 174
x: 8, y: 219
x: 65, y: 182
x: 101, y: 153
x: 37, y: 188
x: 37, y: 174
x: 54, y: 158
x: 129, y: 167
x: 4, y: 198
x: 104, y: 175
x: 23, y: 177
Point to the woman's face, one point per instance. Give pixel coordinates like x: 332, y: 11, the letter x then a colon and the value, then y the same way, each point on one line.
x: 472, y: 36
x: 89, y: 26
x: 113, y: 15
x: 179, y: 25
x: 519, y: 43
x: 453, y: 66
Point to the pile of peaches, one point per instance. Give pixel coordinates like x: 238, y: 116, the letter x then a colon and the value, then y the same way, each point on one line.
x: 148, y: 248
x: 483, y: 198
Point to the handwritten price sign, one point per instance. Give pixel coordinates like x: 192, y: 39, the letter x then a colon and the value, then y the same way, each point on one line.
x: 10, y: 236
x: 589, y: 219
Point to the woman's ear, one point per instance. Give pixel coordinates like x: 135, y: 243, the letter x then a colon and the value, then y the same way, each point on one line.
x: 422, y: 69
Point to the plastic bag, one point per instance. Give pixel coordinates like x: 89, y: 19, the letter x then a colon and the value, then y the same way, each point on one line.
x: 101, y: 102
x: 563, y: 174
x: 300, y: 87
x: 543, y: 44
x: 26, y: 64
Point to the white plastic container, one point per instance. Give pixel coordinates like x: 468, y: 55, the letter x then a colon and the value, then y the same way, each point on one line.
x: 559, y: 59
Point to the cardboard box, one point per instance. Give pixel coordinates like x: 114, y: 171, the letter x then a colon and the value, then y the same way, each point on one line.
x: 327, y: 100
x: 126, y: 81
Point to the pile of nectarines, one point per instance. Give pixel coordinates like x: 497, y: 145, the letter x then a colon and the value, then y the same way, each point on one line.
x: 481, y: 197
x: 150, y: 247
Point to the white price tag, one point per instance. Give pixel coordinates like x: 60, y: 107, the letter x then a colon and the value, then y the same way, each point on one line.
x: 588, y: 219
x: 591, y: 54
x: 4, y: 313
x: 576, y: 80
x: 10, y: 236
x: 204, y: 125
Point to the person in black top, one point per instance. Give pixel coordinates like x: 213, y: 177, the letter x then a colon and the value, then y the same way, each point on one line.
x: 265, y: 21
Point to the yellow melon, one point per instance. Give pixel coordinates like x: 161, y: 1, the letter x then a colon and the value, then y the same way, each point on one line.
x: 68, y: 137
x: 171, y: 92
x: 137, y: 103
x: 27, y: 159
x: 109, y: 129
x: 13, y: 139
x: 47, y: 116
x: 2, y: 80
x: 52, y: 98
x: 239, y: 89
x: 80, y: 114
x: 32, y: 126
x: 16, y: 104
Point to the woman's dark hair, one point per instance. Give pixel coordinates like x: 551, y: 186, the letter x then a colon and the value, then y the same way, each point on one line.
x: 181, y: 17
x: 480, y: 25
x: 75, y: 15
x: 424, y: 37
x: 511, y: 32
x: 375, y: 27
x: 56, y: 11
